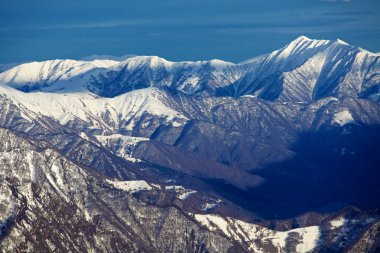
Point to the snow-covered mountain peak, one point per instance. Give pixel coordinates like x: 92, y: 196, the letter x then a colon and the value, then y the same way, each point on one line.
x: 342, y: 42
x: 304, y: 70
x: 104, y: 63
x: 156, y: 61
x: 308, y: 69
x: 302, y: 38
x: 295, y: 48
x: 146, y: 61
x: 301, y: 44
x: 219, y: 64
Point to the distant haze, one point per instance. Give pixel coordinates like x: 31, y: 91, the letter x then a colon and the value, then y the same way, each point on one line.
x: 178, y: 30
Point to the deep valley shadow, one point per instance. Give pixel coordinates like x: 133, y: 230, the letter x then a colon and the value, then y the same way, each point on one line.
x: 333, y: 168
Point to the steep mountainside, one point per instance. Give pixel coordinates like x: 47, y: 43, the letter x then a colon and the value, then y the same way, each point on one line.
x: 304, y: 70
x: 43, y: 191
x: 307, y: 70
x: 275, y: 154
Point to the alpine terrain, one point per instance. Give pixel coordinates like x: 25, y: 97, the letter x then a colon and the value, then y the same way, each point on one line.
x: 139, y: 154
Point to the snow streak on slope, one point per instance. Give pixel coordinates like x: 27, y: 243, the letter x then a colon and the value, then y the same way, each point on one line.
x: 90, y: 108
x: 304, y: 70
x: 120, y: 145
x: 37, y: 75
x: 307, y: 70
x: 181, y: 192
x: 257, y: 237
x: 131, y: 186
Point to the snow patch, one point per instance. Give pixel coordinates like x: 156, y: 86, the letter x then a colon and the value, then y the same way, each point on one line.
x: 343, y: 118
x: 182, y: 193
x: 209, y: 206
x: 185, y: 195
x: 252, y: 233
x: 130, y: 186
x: 174, y: 187
x: 121, y: 145
x: 66, y: 107
x: 29, y: 159
x: 337, y: 223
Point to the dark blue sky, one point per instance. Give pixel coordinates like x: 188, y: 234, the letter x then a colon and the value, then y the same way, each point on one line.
x: 232, y: 30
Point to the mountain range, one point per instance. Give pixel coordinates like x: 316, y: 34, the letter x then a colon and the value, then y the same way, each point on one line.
x: 274, y: 154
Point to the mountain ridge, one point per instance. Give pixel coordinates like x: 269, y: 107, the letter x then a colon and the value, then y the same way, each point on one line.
x: 303, y: 70
x: 275, y: 154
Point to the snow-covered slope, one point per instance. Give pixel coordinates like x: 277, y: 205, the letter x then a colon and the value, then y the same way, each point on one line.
x: 303, y: 70
x: 339, y: 230
x: 261, y: 239
x: 41, y: 75
x: 307, y: 69
x: 110, y: 78
x: 147, y: 71
x: 89, y: 108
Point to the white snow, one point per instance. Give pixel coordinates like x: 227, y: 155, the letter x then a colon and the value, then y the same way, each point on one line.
x: 219, y: 65
x: 182, y: 192
x: 74, y: 76
x: 209, y: 206
x: 185, y: 195
x: 248, y: 96
x: 131, y: 140
x: 124, y: 144
x: 84, y: 136
x: 344, y: 117
x: 337, y: 223
x: 104, y: 63
x: 342, y: 42
x: 301, y: 43
x: 174, y: 187
x: 66, y: 107
x: 56, y: 169
x: 53, y: 182
x: 132, y: 159
x: 310, y: 237
x: 130, y: 186
x: 29, y: 159
x: 51, y: 71
x: 143, y: 100
x: 250, y: 233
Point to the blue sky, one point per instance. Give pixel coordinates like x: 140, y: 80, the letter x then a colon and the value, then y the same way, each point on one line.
x: 232, y: 30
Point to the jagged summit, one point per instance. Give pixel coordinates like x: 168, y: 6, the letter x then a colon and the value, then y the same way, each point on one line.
x: 303, y: 37
x: 307, y: 70
x: 298, y: 45
x: 303, y: 70
x: 342, y: 42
